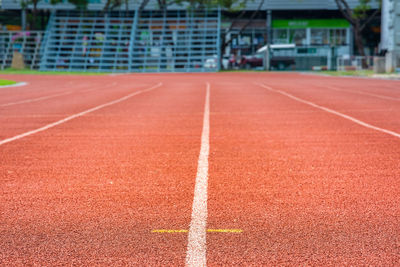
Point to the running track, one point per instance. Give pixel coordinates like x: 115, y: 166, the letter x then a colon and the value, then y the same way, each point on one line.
x: 217, y: 169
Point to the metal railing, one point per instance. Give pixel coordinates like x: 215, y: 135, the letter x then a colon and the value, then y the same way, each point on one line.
x: 173, y: 41
x: 28, y: 43
x: 354, y: 63
x: 81, y: 42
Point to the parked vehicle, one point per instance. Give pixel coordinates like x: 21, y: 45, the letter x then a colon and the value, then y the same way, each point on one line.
x: 257, y: 61
x: 225, y: 62
x: 211, y: 63
x: 282, y: 56
x: 233, y: 61
x: 251, y: 61
x: 282, y: 62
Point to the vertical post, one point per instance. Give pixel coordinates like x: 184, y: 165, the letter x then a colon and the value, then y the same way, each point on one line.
x: 132, y: 39
x: 219, y: 39
x: 329, y: 58
x: 23, y: 19
x: 308, y: 36
x: 189, y: 40
x: 45, y: 41
x: 269, y: 40
x: 385, y: 17
x: 204, y: 42
x: 253, y: 37
x: 396, y: 35
x: 162, y: 59
x: 351, y: 40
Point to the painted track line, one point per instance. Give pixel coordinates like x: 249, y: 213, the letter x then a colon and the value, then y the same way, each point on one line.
x: 14, y: 85
x: 46, y: 97
x: 363, y: 93
x: 196, y: 248
x: 48, y: 126
x: 367, y: 125
x: 34, y: 99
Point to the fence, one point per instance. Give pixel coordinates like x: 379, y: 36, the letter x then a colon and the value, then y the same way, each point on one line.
x: 346, y: 63
x: 26, y: 42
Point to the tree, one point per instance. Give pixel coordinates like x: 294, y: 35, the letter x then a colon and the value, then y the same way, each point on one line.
x: 79, y: 4
x: 359, y: 17
x: 112, y: 4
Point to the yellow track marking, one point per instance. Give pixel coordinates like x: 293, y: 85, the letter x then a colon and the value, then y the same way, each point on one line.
x: 171, y: 231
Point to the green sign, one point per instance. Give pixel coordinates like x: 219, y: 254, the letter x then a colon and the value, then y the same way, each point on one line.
x: 310, y: 23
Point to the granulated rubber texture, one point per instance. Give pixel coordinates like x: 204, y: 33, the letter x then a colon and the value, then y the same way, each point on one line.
x: 305, y: 186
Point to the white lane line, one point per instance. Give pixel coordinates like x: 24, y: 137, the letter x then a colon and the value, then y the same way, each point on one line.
x: 363, y: 93
x: 14, y: 85
x: 2, y: 142
x: 367, y: 125
x: 196, y: 248
x: 50, y: 96
x: 34, y: 99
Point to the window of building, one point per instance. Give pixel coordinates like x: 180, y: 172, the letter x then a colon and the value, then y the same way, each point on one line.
x: 245, y: 40
x: 298, y: 36
x: 235, y: 43
x: 258, y: 40
x: 319, y: 37
x: 280, y: 36
x: 338, y: 36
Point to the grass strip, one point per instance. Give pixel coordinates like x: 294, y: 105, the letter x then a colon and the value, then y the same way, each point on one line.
x: 6, y: 82
x: 61, y: 72
x: 361, y: 73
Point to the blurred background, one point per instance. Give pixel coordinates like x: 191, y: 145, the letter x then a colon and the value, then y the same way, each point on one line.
x: 200, y: 35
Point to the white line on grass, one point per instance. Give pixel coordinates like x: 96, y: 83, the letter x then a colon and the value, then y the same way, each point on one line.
x: 14, y: 85
x: 196, y: 248
x: 363, y: 93
x: 2, y: 142
x: 331, y: 111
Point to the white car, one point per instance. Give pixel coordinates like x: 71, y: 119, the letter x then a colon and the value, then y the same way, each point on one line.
x: 211, y: 63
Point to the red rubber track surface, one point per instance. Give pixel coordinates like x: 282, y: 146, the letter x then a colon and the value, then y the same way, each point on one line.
x: 307, y: 187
